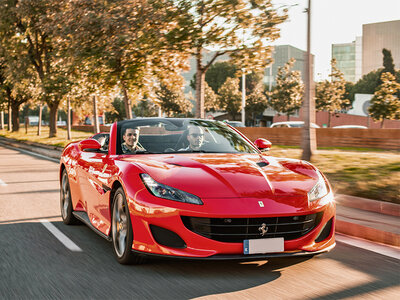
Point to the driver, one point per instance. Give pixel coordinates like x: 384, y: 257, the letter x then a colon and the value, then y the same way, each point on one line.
x: 195, y: 137
x: 131, y: 138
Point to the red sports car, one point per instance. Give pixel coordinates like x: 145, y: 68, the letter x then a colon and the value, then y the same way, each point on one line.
x: 191, y: 188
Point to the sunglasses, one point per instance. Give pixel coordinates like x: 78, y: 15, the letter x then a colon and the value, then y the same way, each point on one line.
x: 196, y: 135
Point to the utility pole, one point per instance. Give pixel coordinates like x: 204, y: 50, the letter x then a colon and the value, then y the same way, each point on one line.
x: 243, y: 96
x: 68, y: 118
x: 309, y: 144
x: 95, y: 117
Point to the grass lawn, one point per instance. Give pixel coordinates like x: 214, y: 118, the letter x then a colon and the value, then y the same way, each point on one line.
x: 373, y: 174
x: 369, y: 174
x: 60, y: 140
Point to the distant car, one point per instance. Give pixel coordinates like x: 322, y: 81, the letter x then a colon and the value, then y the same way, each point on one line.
x: 227, y: 200
x: 351, y: 126
x: 292, y: 124
x: 235, y: 123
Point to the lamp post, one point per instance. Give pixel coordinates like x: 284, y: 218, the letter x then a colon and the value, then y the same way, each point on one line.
x: 309, y: 144
x: 243, y: 97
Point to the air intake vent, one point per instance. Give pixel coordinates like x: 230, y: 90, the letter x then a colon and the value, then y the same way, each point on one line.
x: 235, y: 230
x: 262, y: 164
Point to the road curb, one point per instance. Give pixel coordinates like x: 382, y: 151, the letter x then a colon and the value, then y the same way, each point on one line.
x: 49, y: 151
x: 381, y: 207
x: 367, y: 233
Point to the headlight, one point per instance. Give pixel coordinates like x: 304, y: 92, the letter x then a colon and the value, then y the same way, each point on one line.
x: 319, y: 190
x: 164, y: 191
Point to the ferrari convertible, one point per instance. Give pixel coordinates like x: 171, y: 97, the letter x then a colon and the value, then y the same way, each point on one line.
x: 193, y: 188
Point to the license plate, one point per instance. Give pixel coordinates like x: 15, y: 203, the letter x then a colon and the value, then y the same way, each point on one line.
x: 259, y: 246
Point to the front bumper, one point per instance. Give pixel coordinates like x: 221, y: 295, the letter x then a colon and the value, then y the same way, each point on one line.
x: 146, y: 213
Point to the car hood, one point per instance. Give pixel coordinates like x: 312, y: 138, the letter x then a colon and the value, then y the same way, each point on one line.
x: 231, y: 175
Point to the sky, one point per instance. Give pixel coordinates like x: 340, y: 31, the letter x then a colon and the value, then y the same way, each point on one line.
x: 332, y: 22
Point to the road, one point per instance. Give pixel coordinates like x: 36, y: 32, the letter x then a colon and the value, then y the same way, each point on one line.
x: 34, y: 264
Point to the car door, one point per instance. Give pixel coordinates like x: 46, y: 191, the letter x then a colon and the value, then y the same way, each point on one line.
x: 95, y: 174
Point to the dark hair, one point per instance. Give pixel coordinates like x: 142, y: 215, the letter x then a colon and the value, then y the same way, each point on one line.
x: 126, y: 128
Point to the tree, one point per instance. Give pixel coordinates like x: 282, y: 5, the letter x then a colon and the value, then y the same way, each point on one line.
x: 388, y: 65
x: 223, y: 24
x: 256, y: 102
x: 329, y: 95
x: 123, y: 44
x: 287, y: 95
x: 173, y: 101
x: 230, y: 97
x: 217, y: 74
x: 210, y: 99
x: 385, y: 104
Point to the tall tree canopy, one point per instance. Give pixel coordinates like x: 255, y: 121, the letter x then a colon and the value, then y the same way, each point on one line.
x: 230, y: 97
x: 329, y: 95
x: 287, y: 95
x: 239, y: 28
x: 123, y: 44
x: 385, y: 105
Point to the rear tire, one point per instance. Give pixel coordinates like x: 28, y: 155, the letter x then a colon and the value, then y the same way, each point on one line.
x: 66, y: 201
x: 121, y: 231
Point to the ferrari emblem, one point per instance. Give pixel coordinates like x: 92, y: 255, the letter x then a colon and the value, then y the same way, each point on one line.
x: 261, y: 203
x: 263, y: 229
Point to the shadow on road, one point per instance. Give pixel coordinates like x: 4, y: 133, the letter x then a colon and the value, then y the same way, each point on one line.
x: 33, y: 256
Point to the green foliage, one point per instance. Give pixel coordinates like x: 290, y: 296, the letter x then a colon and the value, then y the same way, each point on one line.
x: 210, y: 99
x: 242, y: 28
x: 146, y: 108
x: 368, y: 83
x: 330, y: 95
x: 287, y: 95
x: 388, y: 65
x: 385, y: 104
x: 256, y: 102
x: 230, y: 97
x: 118, y: 111
x: 217, y: 74
x: 173, y: 101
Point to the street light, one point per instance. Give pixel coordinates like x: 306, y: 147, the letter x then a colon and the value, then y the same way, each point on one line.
x: 243, y: 96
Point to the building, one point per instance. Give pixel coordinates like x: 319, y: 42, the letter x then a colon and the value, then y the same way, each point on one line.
x: 349, y: 59
x: 281, y: 56
x: 377, y: 36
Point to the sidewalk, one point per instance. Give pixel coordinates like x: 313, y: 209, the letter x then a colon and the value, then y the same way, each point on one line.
x: 372, y: 220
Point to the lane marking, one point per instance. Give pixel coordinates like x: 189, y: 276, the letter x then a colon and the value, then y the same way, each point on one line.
x: 386, y: 250
x: 2, y: 183
x: 61, y: 236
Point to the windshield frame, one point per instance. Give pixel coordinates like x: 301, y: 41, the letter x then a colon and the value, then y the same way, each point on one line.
x: 182, y: 123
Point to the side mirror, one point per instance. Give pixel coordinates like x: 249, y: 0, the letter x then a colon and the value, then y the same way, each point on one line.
x: 263, y: 144
x: 89, y: 145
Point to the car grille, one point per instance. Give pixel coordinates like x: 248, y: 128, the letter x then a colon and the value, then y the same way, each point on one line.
x: 235, y: 230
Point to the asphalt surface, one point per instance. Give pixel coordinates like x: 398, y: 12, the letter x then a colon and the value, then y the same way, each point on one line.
x: 34, y: 264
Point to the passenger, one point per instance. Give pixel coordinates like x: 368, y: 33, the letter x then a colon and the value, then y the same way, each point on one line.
x: 131, y: 139
x: 195, y: 137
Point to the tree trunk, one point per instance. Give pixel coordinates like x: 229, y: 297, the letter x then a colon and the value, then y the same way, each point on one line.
x: 68, y: 118
x: 39, y: 130
x: 128, y: 106
x: 53, y: 119
x: 9, y: 116
x: 329, y: 119
x: 200, y: 79
x: 383, y: 120
x: 2, y: 120
x: 95, y: 117
x: 15, y: 117
x: 288, y: 117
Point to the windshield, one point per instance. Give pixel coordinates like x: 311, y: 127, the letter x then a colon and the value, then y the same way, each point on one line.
x: 157, y: 135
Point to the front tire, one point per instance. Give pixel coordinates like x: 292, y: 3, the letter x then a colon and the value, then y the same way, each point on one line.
x: 121, y: 231
x: 66, y: 201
